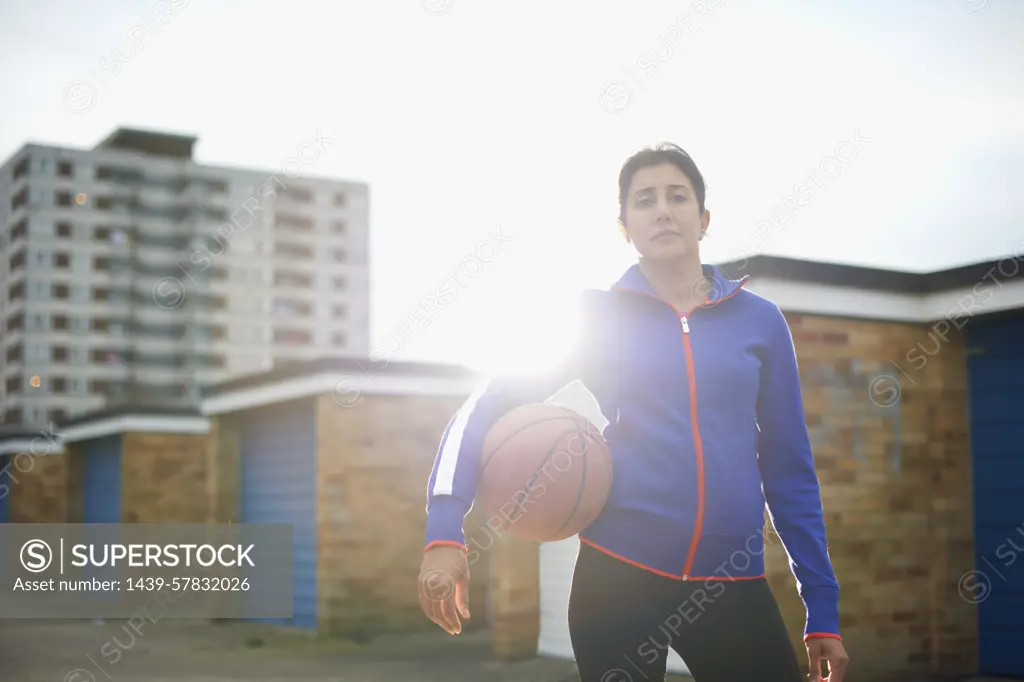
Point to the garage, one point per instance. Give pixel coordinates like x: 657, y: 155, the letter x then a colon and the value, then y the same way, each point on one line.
x: 557, y: 559
x: 277, y: 462
x: 101, y: 480
x: 995, y: 367
x: 5, y: 489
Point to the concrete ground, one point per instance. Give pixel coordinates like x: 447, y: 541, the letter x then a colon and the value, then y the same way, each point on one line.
x: 184, y: 651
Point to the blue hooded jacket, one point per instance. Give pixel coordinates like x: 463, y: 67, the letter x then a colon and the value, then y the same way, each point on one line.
x: 706, y: 426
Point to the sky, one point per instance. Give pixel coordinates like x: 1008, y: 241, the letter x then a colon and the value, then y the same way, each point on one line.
x: 475, y: 119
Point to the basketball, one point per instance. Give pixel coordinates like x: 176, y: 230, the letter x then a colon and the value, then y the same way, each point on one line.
x: 545, y: 473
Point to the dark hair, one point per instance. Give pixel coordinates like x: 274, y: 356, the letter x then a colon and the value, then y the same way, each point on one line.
x: 665, y: 152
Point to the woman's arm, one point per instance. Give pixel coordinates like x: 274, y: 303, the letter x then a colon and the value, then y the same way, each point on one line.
x: 791, y: 484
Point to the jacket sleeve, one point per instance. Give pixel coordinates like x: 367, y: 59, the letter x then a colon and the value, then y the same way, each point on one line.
x: 790, y: 483
x: 451, y: 488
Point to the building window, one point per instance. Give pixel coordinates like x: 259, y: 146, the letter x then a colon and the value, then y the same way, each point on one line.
x: 20, y: 229
x: 60, y: 291
x: 60, y: 354
x: 338, y: 339
x: 340, y: 283
x: 292, y: 279
x: 338, y: 227
x: 294, y: 221
x: 338, y: 255
x: 339, y: 199
x: 19, y: 200
x: 339, y: 311
x: 13, y: 384
x: 22, y: 169
x: 63, y: 229
x: 17, y: 262
x: 292, y: 308
x: 64, y: 199
x: 295, y: 336
x: 293, y: 250
x: 110, y: 357
x: 300, y: 195
x: 61, y: 260
x: 65, y: 169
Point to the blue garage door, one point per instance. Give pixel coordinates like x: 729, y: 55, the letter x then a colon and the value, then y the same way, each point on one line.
x: 5, y: 488
x: 101, y: 494
x: 996, y: 377
x: 277, y: 449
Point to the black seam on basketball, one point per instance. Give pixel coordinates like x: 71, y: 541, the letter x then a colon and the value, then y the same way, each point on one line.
x: 545, y: 461
x: 487, y: 460
x: 579, y: 491
x: 607, y: 455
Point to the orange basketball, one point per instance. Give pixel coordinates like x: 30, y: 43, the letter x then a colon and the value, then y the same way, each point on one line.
x: 545, y: 473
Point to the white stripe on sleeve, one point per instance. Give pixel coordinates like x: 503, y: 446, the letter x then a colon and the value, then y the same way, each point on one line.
x: 444, y: 482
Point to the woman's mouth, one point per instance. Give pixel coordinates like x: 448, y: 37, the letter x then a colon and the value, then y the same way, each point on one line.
x: 665, y: 234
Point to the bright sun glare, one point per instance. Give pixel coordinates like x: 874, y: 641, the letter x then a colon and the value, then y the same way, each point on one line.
x: 511, y: 325
x: 519, y: 340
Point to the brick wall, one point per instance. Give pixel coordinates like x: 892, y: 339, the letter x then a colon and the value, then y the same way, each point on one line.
x: 374, y: 459
x: 515, y: 596
x: 38, y: 488
x: 167, y: 478
x: 892, y: 454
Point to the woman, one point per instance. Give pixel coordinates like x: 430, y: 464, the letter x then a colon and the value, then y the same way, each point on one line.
x: 698, y: 379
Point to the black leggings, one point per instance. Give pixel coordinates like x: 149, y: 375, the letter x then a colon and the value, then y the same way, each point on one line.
x: 623, y: 619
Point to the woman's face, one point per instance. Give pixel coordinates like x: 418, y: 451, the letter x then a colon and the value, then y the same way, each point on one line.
x: 663, y: 217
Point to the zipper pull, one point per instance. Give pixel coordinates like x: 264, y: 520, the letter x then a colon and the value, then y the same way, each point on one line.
x: 686, y: 327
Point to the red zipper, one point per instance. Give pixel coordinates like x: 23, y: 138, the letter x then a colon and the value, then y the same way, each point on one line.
x: 698, y: 446
x: 691, y: 379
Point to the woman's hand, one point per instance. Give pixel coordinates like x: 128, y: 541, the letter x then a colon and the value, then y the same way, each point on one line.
x: 831, y: 650
x: 444, y: 586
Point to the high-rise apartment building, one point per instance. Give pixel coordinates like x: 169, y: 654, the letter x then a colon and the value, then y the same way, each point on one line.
x: 131, y: 273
